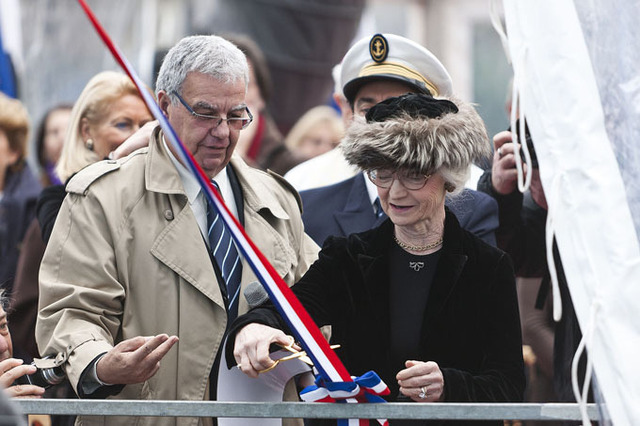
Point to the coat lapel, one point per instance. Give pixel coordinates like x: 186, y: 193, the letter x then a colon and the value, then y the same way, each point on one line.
x: 180, y: 245
x: 374, y: 267
x: 181, y: 248
x: 447, y: 277
x: 260, y: 205
x: 357, y: 215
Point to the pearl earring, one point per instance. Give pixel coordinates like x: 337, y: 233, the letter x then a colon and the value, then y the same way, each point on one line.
x: 89, y: 144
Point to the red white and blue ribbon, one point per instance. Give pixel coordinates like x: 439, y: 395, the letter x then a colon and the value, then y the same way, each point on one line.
x: 325, y: 359
x: 368, y: 388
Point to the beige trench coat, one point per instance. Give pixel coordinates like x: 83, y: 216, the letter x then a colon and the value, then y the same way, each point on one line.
x: 126, y: 258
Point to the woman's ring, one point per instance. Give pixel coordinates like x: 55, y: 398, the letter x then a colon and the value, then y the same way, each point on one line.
x: 500, y: 152
x: 423, y: 393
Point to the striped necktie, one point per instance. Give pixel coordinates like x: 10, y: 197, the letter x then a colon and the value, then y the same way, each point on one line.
x: 224, y: 251
x: 377, y: 208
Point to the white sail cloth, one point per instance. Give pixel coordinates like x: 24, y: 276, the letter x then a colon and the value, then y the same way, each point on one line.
x: 576, y: 64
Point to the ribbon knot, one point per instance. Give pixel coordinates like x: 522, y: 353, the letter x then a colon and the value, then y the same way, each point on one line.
x: 366, y: 388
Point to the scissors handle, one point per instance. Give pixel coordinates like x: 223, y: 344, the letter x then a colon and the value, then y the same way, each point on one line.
x: 296, y: 354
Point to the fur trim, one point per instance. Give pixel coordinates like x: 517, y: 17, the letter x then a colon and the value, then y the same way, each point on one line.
x: 453, y: 141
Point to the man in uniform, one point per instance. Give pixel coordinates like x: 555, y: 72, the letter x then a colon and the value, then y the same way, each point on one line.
x: 373, y: 70
x: 138, y: 260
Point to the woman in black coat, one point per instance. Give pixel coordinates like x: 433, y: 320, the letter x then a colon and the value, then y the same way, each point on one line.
x: 427, y: 305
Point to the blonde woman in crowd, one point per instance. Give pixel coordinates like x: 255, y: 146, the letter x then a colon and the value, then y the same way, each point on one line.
x: 318, y: 131
x: 108, y: 111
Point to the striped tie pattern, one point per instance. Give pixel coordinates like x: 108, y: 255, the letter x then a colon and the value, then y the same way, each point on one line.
x: 377, y: 208
x: 226, y: 256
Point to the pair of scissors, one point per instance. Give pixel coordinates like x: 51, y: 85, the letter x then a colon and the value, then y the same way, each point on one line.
x: 296, y: 354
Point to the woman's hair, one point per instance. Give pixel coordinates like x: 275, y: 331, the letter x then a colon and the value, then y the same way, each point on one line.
x: 41, y: 132
x: 93, y: 104
x: 420, y: 133
x: 14, y: 121
x: 210, y: 55
x: 320, y: 115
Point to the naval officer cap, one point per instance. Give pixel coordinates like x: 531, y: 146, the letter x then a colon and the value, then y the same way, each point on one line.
x: 395, y: 58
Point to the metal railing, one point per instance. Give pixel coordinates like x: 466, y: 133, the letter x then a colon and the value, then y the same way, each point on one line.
x: 439, y: 411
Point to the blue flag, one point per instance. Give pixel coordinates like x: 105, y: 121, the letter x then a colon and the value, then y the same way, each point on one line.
x: 7, y: 73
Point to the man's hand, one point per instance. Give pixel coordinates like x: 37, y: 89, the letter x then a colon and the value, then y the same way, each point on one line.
x: 134, y: 360
x: 421, y: 381
x: 10, y: 370
x: 504, y: 176
x: 138, y: 140
x: 251, y: 349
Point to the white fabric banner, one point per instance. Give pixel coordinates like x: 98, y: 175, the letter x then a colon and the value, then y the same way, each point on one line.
x: 560, y: 62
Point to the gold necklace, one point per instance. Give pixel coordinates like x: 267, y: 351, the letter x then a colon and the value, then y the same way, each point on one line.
x: 417, y: 248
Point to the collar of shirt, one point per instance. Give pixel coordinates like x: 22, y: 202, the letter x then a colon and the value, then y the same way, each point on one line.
x: 372, y: 190
x: 197, y: 200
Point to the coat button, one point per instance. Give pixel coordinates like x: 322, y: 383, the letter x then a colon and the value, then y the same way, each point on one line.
x: 168, y: 214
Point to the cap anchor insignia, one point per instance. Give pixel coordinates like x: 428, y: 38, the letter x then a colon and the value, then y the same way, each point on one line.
x: 373, y: 59
x: 378, y: 48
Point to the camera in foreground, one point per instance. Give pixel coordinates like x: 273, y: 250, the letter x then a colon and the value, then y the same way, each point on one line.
x: 43, y: 377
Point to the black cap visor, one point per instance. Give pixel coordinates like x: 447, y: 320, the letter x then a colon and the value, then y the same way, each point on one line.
x: 351, y: 88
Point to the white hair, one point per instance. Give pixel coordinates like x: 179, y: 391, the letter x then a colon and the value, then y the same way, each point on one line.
x: 210, y: 55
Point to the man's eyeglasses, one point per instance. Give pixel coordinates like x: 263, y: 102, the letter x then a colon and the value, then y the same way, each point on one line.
x: 236, y: 123
x: 385, y: 178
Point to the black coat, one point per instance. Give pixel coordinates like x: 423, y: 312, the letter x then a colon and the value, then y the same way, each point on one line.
x: 17, y: 210
x: 471, y: 320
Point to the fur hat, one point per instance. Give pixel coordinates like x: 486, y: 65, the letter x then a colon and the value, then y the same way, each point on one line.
x: 420, y: 133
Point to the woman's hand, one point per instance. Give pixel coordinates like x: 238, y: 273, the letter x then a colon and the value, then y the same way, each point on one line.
x: 421, y: 381
x: 251, y: 349
x: 10, y: 370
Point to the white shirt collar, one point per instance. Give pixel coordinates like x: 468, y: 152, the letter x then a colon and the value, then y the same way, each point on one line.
x: 192, y: 186
x: 372, y: 190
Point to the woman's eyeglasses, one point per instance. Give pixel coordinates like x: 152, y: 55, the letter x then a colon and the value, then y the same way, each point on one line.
x: 385, y: 178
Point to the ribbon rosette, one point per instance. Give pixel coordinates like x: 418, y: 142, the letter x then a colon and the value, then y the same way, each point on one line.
x: 367, y: 387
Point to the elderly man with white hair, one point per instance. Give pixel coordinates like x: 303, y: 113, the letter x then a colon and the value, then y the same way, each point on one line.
x: 138, y: 260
